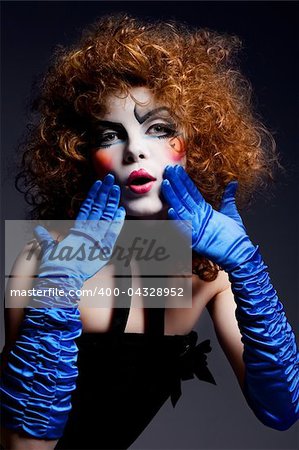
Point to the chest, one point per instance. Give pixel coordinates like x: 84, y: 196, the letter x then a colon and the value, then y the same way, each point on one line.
x: 183, y: 301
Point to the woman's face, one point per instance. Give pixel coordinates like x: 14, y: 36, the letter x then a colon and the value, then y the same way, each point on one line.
x: 136, y: 142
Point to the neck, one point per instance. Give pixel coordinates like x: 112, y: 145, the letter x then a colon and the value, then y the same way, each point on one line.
x: 161, y: 215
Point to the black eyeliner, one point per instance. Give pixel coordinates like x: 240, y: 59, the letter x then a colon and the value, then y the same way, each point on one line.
x: 142, y: 119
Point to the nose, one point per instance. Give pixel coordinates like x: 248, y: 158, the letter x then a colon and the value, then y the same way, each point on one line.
x: 135, y: 150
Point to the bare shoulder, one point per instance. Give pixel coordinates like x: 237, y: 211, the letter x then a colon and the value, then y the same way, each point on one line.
x: 207, y: 291
x: 23, y: 271
x: 182, y: 321
x: 28, y: 258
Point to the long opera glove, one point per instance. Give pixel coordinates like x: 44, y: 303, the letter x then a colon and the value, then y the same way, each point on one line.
x: 271, y: 358
x: 41, y: 373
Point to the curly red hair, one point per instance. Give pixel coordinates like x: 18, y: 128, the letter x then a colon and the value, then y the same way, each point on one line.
x: 194, y: 72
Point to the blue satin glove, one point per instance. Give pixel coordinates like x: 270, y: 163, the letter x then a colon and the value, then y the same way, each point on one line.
x: 41, y: 373
x: 87, y: 247
x: 215, y: 235
x: 271, y: 358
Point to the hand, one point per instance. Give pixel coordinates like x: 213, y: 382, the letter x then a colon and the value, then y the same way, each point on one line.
x: 96, y: 228
x: 271, y: 383
x: 41, y: 374
x: 218, y: 235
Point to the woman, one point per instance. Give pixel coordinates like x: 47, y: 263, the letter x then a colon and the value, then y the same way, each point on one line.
x: 133, y: 104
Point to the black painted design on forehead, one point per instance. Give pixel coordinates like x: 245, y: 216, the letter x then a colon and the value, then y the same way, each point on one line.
x: 108, y: 124
x: 142, y: 119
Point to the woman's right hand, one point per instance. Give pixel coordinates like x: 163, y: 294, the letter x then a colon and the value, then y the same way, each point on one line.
x: 41, y: 373
x: 88, y: 246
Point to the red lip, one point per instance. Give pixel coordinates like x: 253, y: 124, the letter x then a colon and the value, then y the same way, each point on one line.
x: 145, y: 183
x: 141, y: 173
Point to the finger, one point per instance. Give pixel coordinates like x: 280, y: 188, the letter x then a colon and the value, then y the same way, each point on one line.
x: 187, y: 188
x: 180, y: 188
x: 229, y: 194
x: 185, y: 224
x: 101, y: 197
x: 88, y: 202
x: 172, y: 214
x: 184, y: 187
x: 185, y: 227
x: 115, y: 227
x: 42, y: 235
x: 192, y: 189
x: 228, y: 203
x: 173, y: 200
x: 44, y: 239
x: 112, y: 203
x: 99, y: 222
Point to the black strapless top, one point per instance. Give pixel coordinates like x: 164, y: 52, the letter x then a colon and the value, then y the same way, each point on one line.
x: 125, y: 378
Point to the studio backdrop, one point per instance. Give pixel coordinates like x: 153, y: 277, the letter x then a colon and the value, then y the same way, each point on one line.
x: 207, y: 416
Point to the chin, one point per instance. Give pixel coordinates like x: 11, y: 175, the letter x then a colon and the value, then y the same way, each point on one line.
x: 145, y: 208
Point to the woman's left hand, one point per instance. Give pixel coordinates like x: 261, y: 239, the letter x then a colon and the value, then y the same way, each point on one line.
x: 218, y: 235
x: 271, y: 381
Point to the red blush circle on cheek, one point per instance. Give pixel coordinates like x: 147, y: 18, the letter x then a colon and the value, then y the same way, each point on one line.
x: 102, y: 163
x: 177, y: 150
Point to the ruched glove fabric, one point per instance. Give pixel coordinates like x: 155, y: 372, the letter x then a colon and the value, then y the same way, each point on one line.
x: 270, y: 352
x: 41, y: 372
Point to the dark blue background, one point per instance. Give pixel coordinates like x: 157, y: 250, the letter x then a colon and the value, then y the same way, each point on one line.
x: 206, y: 416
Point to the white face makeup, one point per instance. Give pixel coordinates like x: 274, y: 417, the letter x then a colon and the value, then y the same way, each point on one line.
x: 136, y: 142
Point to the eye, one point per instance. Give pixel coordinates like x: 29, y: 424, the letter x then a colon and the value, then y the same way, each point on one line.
x: 161, y: 130
x: 108, y: 138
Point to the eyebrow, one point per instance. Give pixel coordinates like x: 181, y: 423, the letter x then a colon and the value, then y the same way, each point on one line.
x: 142, y: 119
x: 103, y: 125
x: 107, y: 124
